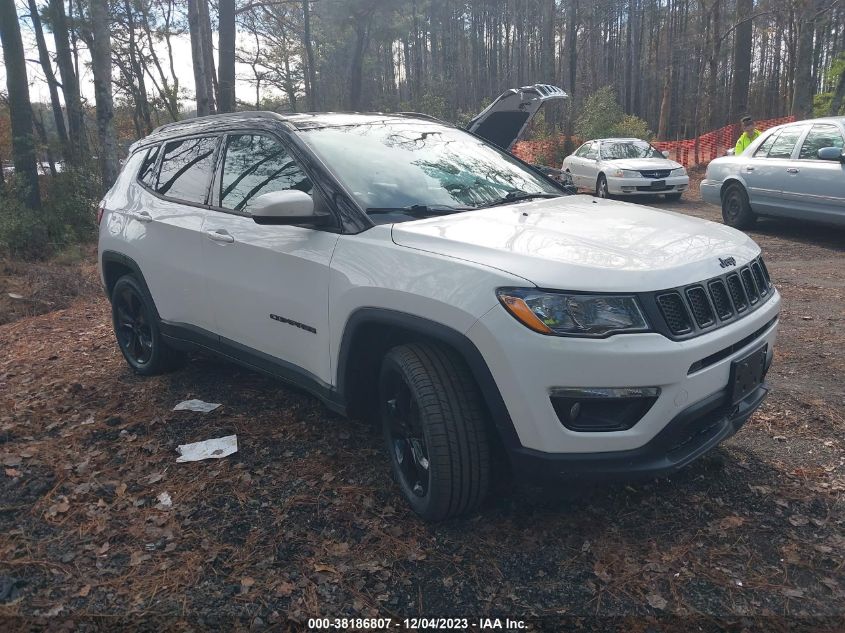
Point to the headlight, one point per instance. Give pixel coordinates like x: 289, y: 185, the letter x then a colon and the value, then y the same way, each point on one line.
x: 564, y: 314
x: 625, y: 173
x: 680, y: 171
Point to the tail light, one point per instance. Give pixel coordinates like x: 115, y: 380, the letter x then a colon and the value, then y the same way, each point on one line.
x: 100, y: 210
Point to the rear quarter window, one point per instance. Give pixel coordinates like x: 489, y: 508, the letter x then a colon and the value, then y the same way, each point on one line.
x: 147, y: 173
x: 186, y: 169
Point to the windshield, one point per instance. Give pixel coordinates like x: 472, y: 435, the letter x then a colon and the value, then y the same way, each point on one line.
x: 405, y: 169
x: 628, y: 149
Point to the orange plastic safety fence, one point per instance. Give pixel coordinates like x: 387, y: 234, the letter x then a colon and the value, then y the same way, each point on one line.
x: 688, y: 152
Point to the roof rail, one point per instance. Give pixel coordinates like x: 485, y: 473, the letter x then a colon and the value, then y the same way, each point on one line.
x: 258, y: 114
x: 422, y: 115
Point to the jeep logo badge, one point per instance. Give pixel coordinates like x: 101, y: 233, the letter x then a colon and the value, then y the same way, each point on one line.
x: 727, y: 261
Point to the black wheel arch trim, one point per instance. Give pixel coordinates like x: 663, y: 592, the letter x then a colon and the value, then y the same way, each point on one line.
x: 113, y: 257
x: 438, y: 332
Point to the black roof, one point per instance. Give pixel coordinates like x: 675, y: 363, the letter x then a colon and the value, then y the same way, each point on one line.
x: 257, y: 118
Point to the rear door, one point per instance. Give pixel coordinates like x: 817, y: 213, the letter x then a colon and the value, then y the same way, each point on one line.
x: 503, y: 121
x: 268, y: 285
x: 166, y: 226
x: 814, y: 188
x: 766, y: 170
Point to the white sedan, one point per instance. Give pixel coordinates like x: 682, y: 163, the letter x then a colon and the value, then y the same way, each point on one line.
x: 625, y: 166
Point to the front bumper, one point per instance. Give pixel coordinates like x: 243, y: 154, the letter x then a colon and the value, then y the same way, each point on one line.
x: 689, y: 435
x: 528, y: 368
x: 643, y: 186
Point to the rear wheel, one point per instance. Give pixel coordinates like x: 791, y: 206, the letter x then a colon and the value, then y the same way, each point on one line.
x: 433, y: 424
x: 736, y: 210
x: 137, y: 331
x: 601, y: 187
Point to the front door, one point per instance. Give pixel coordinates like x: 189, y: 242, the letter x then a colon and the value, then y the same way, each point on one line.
x: 268, y: 285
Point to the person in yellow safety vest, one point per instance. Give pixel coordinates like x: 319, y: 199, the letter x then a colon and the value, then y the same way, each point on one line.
x: 749, y: 133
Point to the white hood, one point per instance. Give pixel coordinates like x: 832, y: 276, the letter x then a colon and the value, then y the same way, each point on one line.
x: 642, y: 163
x: 583, y: 243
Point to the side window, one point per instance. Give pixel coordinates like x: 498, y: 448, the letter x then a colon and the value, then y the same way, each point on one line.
x: 186, y: 169
x: 785, y: 143
x: 256, y: 164
x: 820, y: 136
x: 593, y: 152
x: 766, y: 145
x: 582, y: 150
x: 147, y: 174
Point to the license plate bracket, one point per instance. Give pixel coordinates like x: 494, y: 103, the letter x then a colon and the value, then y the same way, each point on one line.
x: 747, y: 373
x: 658, y: 184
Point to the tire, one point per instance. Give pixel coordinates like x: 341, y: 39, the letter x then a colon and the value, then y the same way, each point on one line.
x: 136, y: 328
x: 736, y: 210
x: 433, y: 424
x: 674, y: 197
x: 601, y: 187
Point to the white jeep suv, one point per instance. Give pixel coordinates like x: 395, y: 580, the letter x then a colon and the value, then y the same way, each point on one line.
x: 400, y: 268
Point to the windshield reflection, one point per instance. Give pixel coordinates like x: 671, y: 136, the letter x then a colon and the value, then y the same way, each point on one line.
x: 629, y: 149
x: 402, y: 164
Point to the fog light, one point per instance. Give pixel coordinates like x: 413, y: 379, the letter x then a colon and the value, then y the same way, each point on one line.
x: 602, y: 409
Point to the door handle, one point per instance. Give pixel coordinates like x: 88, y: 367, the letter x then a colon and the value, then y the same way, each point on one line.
x: 749, y: 168
x: 792, y: 170
x: 220, y: 235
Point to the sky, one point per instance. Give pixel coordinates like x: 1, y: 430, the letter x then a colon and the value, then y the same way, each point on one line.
x: 38, y: 90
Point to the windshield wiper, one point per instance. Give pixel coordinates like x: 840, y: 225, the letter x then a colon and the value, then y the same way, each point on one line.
x: 417, y: 210
x: 518, y: 196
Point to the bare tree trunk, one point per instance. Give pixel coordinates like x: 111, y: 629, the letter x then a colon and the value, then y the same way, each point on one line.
x: 70, y: 84
x: 52, y: 84
x: 802, y: 96
x: 572, y: 45
x: 309, y: 56
x: 838, y: 95
x: 665, y: 102
x: 101, y: 65
x: 741, y: 59
x: 212, y: 88
x: 20, y: 110
x: 356, y: 67
x: 198, y: 58
x: 226, y: 52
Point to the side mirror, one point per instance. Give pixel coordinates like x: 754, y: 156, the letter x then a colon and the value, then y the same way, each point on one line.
x: 665, y: 153
x: 287, y: 207
x: 832, y: 153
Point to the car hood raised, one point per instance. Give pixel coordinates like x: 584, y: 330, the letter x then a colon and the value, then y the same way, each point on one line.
x: 583, y: 243
x: 643, y: 163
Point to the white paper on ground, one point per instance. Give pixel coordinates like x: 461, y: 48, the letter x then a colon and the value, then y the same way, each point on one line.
x: 164, y: 501
x: 208, y: 449
x: 196, y: 405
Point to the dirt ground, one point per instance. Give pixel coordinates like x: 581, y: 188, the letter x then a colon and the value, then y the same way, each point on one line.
x: 304, y: 520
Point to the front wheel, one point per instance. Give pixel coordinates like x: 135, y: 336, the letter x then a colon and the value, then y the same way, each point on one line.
x: 433, y: 425
x: 601, y: 187
x: 736, y: 210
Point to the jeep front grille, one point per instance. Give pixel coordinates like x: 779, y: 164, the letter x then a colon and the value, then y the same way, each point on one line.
x: 700, y: 305
x: 698, y: 308
x: 675, y: 312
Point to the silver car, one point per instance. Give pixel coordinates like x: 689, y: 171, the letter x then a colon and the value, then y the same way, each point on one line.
x: 796, y: 170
